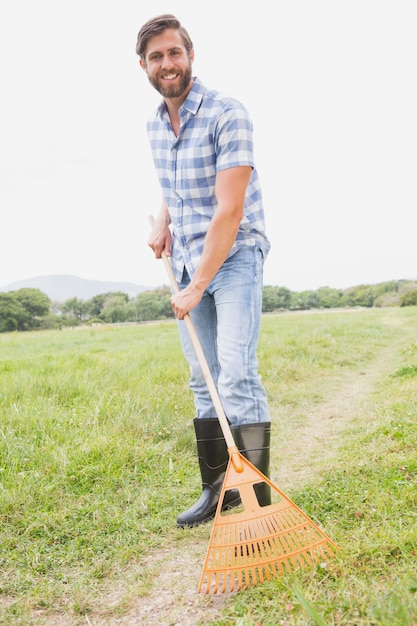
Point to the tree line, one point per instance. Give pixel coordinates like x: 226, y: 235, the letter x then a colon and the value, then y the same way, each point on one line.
x: 31, y: 309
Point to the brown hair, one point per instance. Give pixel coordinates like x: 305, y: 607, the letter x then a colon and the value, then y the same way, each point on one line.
x: 156, y: 26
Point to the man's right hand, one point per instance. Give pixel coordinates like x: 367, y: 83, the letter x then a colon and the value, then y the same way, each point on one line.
x: 160, y: 237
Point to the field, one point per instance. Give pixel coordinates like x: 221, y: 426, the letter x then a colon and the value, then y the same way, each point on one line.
x: 97, y: 458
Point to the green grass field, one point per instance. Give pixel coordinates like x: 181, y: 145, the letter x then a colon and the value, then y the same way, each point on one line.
x: 97, y: 458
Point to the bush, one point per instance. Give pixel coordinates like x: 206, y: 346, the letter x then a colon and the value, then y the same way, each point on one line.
x: 409, y: 298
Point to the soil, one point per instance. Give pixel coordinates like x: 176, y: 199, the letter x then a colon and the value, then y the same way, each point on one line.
x: 303, y: 452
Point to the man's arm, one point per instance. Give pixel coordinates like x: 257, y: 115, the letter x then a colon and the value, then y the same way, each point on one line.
x: 230, y: 190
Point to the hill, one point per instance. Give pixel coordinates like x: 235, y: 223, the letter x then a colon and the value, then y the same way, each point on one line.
x: 61, y: 287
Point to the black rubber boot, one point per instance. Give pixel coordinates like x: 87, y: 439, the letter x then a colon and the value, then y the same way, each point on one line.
x: 213, y: 458
x: 254, y: 441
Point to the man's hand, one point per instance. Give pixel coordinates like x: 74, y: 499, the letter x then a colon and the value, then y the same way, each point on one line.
x: 184, y: 301
x: 160, y: 238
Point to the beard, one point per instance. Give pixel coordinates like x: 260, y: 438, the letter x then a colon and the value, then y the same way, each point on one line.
x: 172, y: 91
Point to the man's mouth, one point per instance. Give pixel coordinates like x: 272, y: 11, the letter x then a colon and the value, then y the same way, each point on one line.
x: 169, y: 76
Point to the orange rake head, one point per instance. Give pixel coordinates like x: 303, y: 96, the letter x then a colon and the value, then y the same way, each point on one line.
x: 258, y: 543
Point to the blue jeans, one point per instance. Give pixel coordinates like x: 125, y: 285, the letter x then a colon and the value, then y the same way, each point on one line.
x: 227, y: 323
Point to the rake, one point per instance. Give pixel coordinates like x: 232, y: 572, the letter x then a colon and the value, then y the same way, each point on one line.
x: 253, y: 543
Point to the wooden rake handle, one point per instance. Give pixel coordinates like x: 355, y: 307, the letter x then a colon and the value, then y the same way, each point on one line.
x: 227, y: 433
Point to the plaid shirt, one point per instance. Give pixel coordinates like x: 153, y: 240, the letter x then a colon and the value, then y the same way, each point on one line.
x: 215, y: 134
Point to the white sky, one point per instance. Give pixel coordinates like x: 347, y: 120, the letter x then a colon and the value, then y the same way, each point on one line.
x: 331, y: 86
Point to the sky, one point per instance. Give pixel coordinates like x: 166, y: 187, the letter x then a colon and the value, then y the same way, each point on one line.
x: 330, y: 86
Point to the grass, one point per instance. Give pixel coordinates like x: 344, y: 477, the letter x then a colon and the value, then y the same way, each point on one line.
x: 97, y: 458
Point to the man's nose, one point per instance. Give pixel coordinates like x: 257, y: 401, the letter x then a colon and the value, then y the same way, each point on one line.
x: 166, y: 61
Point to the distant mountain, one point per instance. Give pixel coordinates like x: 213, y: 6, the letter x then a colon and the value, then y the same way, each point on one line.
x: 64, y: 286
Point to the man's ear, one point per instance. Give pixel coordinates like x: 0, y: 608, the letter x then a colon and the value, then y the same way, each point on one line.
x: 142, y: 64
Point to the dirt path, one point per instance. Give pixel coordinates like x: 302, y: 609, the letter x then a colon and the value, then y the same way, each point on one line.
x: 305, y: 450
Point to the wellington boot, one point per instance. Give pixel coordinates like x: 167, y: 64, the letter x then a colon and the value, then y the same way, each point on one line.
x: 213, y: 458
x: 254, y: 441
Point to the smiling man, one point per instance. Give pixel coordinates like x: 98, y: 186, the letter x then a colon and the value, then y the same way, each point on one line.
x: 211, y: 224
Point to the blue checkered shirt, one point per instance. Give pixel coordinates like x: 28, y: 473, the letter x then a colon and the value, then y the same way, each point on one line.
x: 215, y: 134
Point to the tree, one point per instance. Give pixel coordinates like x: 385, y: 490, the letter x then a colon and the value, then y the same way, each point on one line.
x: 23, y: 309
x: 35, y: 303
x: 73, y: 307
x: 361, y: 295
x: 386, y: 287
x: 96, y: 304
x: 409, y: 298
x: 329, y: 298
x: 305, y: 300
x: 275, y: 298
x: 152, y: 305
x: 13, y: 315
x: 116, y: 308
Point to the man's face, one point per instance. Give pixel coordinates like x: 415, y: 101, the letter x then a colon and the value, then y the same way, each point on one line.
x: 168, y: 65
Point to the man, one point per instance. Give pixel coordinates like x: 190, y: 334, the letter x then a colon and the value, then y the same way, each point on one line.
x: 211, y: 224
